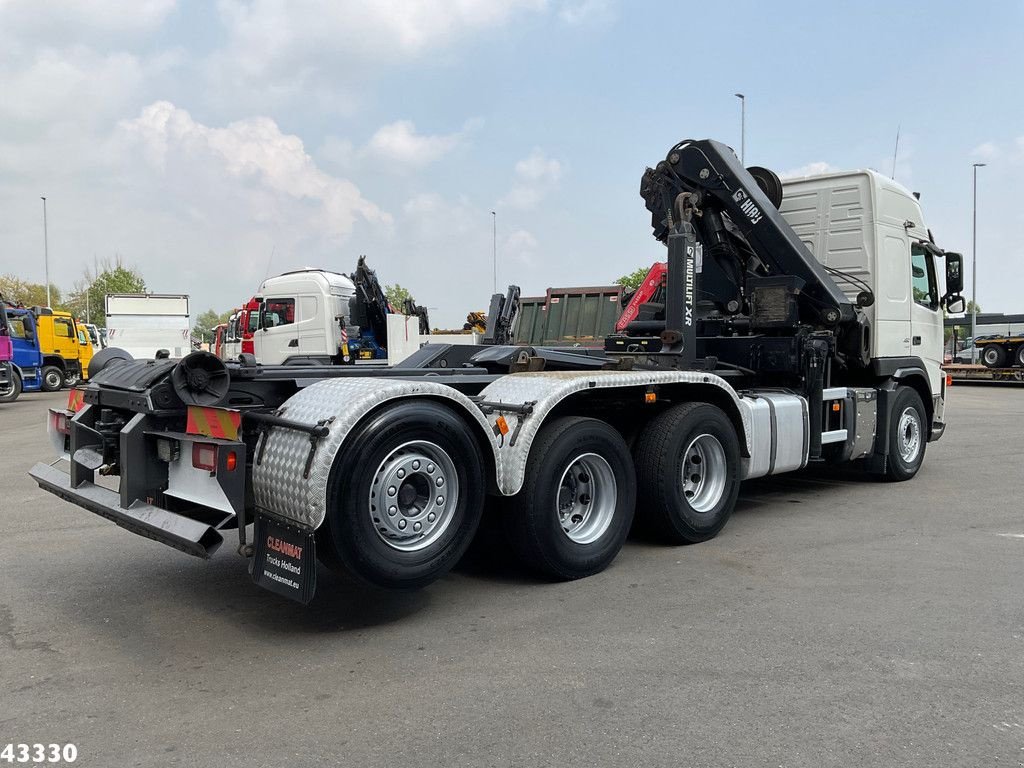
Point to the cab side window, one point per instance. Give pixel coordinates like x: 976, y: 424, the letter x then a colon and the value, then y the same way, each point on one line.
x: 279, y: 312
x: 62, y: 327
x: 923, y: 281
x: 17, y: 326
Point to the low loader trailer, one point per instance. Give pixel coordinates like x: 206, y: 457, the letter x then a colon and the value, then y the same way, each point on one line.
x: 801, y: 326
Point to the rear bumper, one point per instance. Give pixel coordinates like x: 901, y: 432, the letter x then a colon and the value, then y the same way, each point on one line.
x: 178, y: 531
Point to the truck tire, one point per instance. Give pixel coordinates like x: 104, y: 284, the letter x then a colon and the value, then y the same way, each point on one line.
x: 688, y: 461
x: 993, y: 356
x: 404, y: 497
x: 1020, y: 355
x: 71, y: 378
x: 13, y: 389
x: 52, y: 378
x: 574, y: 511
x: 908, y: 435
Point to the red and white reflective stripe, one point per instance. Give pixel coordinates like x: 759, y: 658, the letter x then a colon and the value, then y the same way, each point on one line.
x: 76, y: 400
x: 222, y: 423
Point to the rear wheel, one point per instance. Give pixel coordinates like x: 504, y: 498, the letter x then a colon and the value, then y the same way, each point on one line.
x: 688, y: 471
x: 993, y: 356
x: 405, y: 498
x: 13, y: 389
x: 573, y: 513
x: 53, y: 379
x: 1020, y: 355
x: 908, y: 435
x: 71, y: 378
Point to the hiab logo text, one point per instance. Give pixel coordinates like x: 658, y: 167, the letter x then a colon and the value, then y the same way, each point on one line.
x: 747, y: 205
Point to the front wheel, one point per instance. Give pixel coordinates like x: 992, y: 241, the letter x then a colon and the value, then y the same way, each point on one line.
x: 13, y: 389
x: 53, y: 379
x: 688, y: 462
x: 907, y: 436
x: 404, y: 498
x: 573, y: 513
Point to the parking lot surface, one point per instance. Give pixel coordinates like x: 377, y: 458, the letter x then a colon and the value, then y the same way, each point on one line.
x: 836, y: 621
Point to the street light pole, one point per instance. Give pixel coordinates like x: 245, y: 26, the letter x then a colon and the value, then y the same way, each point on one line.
x: 974, y: 258
x: 494, y: 236
x: 743, y: 125
x: 46, y: 254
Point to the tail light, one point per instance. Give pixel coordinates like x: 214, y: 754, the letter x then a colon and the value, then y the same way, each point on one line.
x: 60, y: 423
x: 204, y: 456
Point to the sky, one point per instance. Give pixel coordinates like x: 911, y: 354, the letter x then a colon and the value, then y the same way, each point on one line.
x: 211, y: 144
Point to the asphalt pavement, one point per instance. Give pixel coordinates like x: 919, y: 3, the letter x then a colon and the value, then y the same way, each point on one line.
x: 836, y: 621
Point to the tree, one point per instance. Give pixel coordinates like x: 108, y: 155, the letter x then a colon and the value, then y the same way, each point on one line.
x: 208, y: 321
x: 634, y: 279
x: 19, y: 291
x: 88, y: 300
x: 396, y: 296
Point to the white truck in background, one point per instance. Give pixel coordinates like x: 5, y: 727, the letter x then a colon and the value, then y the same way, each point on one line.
x: 143, y: 323
x: 306, y: 319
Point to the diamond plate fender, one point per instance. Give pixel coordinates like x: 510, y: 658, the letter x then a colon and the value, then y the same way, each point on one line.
x: 280, y: 488
x: 279, y: 485
x: 548, y: 389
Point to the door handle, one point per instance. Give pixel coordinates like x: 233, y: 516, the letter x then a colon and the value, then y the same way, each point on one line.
x: 293, y: 343
x: 917, y: 340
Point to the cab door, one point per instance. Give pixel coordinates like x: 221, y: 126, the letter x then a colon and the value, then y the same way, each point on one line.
x: 278, y: 337
x: 926, y: 328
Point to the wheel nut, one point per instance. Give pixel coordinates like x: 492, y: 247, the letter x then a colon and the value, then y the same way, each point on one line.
x: 392, y: 491
x: 416, y: 464
x: 431, y: 517
x: 430, y: 467
x: 416, y: 527
x: 392, y: 511
x: 440, y: 482
x: 402, y: 524
x: 440, y: 500
x: 401, y: 473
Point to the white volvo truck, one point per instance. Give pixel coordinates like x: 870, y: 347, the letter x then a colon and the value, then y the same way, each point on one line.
x: 799, y: 325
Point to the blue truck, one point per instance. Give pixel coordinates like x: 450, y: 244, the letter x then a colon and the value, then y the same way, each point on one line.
x: 6, y: 352
x: 26, y: 364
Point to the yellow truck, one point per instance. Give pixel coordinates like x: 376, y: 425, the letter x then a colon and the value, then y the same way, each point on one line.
x: 66, y: 349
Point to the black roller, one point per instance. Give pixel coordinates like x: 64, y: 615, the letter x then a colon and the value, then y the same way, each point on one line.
x: 200, y: 378
x: 107, y: 357
x: 768, y: 182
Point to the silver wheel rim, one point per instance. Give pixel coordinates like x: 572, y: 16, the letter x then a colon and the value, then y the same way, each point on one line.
x: 704, y: 473
x: 413, y: 496
x: 54, y: 380
x: 990, y: 356
x: 908, y: 436
x: 587, y: 495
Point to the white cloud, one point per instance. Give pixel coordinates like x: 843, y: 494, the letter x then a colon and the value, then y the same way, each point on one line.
x: 268, y: 166
x: 53, y: 21
x: 986, y: 151
x: 324, y: 48
x: 535, y: 176
x: 399, y: 143
x: 811, y: 169
x: 578, y: 12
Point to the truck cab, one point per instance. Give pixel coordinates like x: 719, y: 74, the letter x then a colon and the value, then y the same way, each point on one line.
x: 301, y: 315
x: 6, y: 353
x: 26, y: 363
x: 869, y: 232
x: 65, y: 347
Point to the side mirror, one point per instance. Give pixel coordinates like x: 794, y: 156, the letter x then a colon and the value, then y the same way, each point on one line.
x: 956, y: 305
x: 954, y: 273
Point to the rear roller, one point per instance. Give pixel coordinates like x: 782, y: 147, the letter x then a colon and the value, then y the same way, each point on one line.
x: 687, y: 462
x: 575, y: 508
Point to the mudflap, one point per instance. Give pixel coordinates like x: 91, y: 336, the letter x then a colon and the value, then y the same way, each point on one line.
x: 284, y: 559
